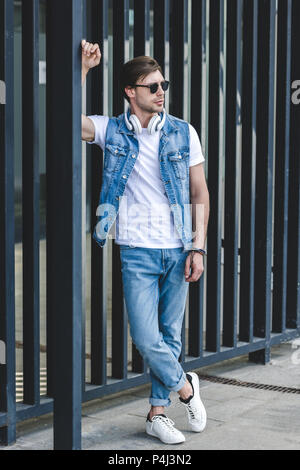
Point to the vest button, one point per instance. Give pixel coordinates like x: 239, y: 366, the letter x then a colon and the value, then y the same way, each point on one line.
x: 125, y: 177
x: 133, y: 156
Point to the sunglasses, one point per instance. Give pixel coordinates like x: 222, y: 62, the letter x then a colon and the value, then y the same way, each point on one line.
x: 154, y: 86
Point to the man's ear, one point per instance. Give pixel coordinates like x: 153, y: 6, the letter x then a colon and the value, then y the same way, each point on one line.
x: 130, y: 92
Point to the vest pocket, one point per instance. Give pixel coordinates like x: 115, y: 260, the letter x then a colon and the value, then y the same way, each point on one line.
x: 179, y: 162
x: 113, y: 158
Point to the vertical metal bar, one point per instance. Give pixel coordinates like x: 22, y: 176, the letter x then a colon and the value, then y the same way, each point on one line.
x: 119, y: 317
x: 293, y: 268
x: 182, y: 354
x: 141, y: 26
x: 186, y: 45
x: 230, y: 284
x: 84, y: 218
x: 185, y: 99
x: 99, y: 34
x: 31, y: 201
x: 214, y: 180
x: 147, y: 27
x: 161, y: 33
x: 121, y: 34
x: 160, y: 30
x: 198, y: 25
x: 248, y: 169
x: 64, y: 175
x: 195, y: 339
x: 282, y: 165
x: 264, y: 173
x: 138, y: 364
x: 177, y: 36
x: 7, y: 224
x: 50, y: 219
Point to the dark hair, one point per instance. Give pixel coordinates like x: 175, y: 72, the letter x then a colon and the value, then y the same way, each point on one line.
x: 137, y: 68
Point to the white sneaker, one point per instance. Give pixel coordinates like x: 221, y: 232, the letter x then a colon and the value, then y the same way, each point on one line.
x: 162, y: 427
x: 195, y: 409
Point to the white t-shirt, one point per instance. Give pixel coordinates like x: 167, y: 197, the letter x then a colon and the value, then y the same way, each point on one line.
x: 144, y: 218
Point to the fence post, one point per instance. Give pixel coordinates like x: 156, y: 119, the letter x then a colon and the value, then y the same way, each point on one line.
x: 98, y: 18
x: 231, y: 216
x: 31, y: 201
x: 178, y: 35
x: 283, y: 100
x: 293, y: 263
x: 7, y: 225
x: 119, y: 317
x: 198, y: 56
x: 64, y: 216
x: 248, y: 167
x: 213, y: 320
x: 161, y: 13
x: 264, y: 176
x: 141, y: 27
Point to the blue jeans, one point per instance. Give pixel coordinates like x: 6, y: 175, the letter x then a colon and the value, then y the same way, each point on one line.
x: 155, y: 294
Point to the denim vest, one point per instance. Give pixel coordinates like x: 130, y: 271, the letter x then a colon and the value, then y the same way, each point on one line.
x: 120, y: 155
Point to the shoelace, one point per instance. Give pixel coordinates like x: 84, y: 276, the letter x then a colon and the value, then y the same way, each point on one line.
x: 193, y: 412
x: 165, y: 421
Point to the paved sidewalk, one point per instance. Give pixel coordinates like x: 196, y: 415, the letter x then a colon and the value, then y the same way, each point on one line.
x: 238, y: 417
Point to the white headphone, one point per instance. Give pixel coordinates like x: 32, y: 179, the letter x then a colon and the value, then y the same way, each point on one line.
x: 156, y: 123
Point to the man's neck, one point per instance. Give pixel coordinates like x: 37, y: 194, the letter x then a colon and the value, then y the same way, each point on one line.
x: 143, y: 116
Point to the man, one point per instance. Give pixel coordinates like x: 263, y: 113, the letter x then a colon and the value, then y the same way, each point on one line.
x: 153, y: 169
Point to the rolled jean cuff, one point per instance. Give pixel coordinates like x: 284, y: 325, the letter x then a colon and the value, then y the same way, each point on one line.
x: 180, y: 384
x: 159, y: 402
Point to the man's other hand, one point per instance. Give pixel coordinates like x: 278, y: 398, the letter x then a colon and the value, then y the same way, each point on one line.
x: 193, y: 267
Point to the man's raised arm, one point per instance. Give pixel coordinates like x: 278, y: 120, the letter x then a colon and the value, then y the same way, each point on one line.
x: 91, y: 57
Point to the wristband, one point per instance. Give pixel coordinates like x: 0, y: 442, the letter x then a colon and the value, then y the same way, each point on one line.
x: 199, y: 250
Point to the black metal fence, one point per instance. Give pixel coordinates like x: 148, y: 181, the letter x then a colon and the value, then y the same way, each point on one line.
x: 234, y: 70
